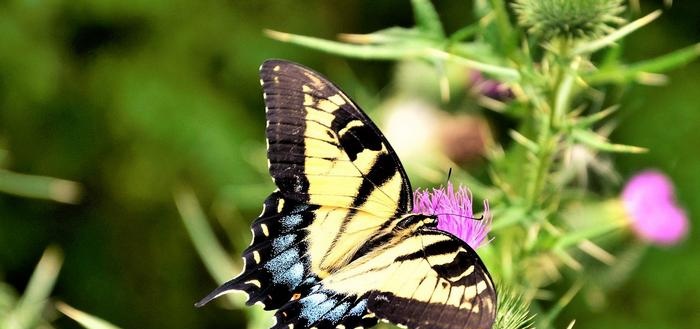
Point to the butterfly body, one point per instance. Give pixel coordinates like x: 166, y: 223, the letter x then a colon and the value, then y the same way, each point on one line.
x: 336, y: 245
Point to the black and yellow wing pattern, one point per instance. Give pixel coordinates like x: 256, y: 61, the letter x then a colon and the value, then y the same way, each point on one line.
x: 336, y: 245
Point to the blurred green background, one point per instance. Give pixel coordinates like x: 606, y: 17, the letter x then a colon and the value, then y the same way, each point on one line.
x: 135, y: 98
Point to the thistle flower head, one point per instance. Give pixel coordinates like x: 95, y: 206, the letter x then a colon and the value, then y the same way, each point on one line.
x: 455, y: 213
x: 650, y: 202
x: 569, y: 19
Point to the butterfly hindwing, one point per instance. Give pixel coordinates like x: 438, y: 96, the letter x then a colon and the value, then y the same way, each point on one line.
x: 276, y: 264
x: 442, y: 284
x: 429, y: 280
x: 322, y: 149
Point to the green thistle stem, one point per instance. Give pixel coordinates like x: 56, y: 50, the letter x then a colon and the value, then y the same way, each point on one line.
x: 551, y: 119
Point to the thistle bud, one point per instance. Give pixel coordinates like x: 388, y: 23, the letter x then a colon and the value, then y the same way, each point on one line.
x: 580, y: 19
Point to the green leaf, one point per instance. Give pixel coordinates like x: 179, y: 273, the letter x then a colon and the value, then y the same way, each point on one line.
x: 388, y: 35
x: 86, y: 320
x: 214, y: 256
x: 427, y: 19
x: 589, y: 120
x: 475, y: 50
x: 40, y: 187
x: 507, y: 217
x: 524, y: 141
x: 504, y: 73
x: 366, y: 51
x: 595, y: 45
x: 497, y: 29
x: 664, y: 63
x: 549, y: 316
x: 28, y: 310
x: 601, y: 143
x: 464, y: 33
x: 580, y: 234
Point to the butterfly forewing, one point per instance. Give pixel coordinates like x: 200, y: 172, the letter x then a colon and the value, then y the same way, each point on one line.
x: 322, y: 149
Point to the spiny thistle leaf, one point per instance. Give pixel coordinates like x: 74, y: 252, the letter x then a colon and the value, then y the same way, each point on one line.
x: 587, y: 121
x: 601, y: 143
x: 583, y: 19
x: 613, y: 36
x: 625, y: 73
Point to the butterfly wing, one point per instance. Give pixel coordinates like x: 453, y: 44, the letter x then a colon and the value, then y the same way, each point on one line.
x: 322, y: 149
x: 431, y: 280
x: 276, y: 262
x: 339, y: 184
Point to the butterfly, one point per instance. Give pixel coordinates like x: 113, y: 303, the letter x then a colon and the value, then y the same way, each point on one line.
x: 336, y: 245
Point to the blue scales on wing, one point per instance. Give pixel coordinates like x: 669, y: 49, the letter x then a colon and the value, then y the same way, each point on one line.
x: 277, y: 273
x: 276, y: 262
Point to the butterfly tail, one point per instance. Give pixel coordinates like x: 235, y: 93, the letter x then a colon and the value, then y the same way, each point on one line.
x: 276, y: 262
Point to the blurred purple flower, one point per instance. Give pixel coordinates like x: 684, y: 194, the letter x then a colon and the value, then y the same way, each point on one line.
x: 481, y: 85
x: 455, y: 213
x: 651, y: 204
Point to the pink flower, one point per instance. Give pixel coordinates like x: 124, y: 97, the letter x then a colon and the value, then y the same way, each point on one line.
x: 651, y: 204
x: 455, y: 213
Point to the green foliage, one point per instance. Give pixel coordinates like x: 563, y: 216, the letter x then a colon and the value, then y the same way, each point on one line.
x: 26, y: 311
x: 128, y: 101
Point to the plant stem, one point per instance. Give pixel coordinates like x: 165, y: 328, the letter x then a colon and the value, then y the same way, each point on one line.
x: 550, y: 121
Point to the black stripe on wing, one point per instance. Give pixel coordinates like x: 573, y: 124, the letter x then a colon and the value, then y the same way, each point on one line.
x: 463, y: 280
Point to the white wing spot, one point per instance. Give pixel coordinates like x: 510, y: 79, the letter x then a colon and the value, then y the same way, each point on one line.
x: 254, y: 283
x: 280, y: 205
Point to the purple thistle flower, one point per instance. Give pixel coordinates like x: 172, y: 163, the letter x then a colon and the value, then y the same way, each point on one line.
x: 455, y: 213
x: 650, y: 202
